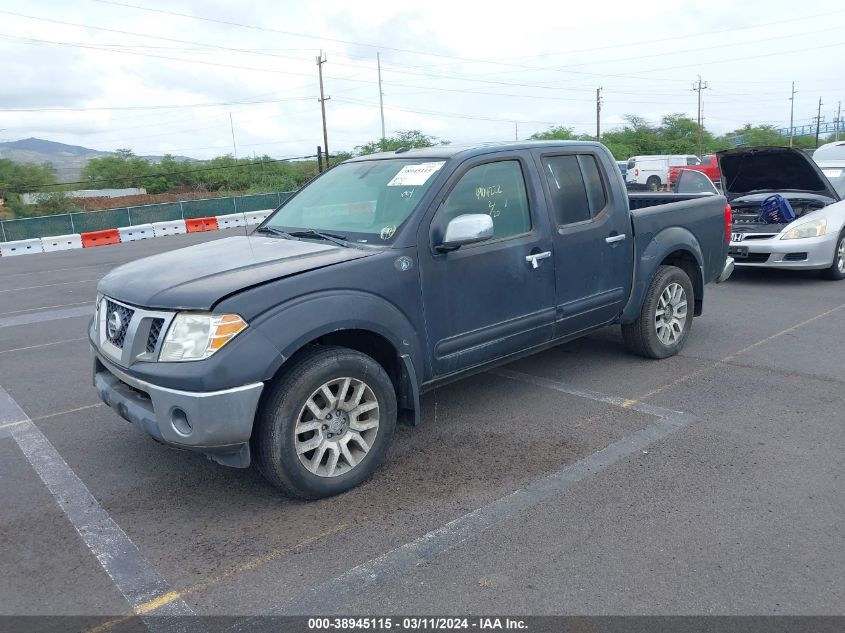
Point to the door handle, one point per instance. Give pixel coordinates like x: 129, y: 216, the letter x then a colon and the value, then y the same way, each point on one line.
x: 533, y: 259
x: 615, y: 238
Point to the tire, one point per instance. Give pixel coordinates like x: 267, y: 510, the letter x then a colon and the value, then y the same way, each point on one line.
x: 836, y: 272
x: 653, y: 183
x: 288, y: 422
x: 651, y: 335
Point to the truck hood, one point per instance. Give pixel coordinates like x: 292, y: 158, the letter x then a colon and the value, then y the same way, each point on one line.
x: 197, y: 277
x: 748, y: 170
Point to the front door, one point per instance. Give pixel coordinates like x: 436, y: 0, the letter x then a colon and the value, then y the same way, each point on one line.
x: 593, y: 247
x: 491, y: 299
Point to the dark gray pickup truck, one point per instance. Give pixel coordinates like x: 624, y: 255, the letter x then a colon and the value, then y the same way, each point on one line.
x: 301, y: 345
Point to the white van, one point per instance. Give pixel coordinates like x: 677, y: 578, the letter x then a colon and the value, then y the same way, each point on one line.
x: 652, y: 172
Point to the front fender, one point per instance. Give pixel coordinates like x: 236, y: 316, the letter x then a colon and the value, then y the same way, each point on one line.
x: 653, y: 253
x: 295, y: 323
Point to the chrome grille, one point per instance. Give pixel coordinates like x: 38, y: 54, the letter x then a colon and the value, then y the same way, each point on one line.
x: 117, y: 322
x: 155, y: 332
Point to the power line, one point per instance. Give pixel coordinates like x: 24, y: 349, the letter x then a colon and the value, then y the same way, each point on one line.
x: 412, y: 51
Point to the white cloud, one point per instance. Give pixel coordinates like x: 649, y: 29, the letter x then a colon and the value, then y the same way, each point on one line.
x: 536, y: 64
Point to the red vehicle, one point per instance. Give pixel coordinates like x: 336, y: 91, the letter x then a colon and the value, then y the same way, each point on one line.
x: 709, y: 167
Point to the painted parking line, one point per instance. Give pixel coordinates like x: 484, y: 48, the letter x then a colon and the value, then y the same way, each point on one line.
x: 50, y: 315
x: 726, y: 360
x: 40, y: 345
x: 133, y: 576
x: 61, y: 305
x: 389, y: 567
x: 63, y: 283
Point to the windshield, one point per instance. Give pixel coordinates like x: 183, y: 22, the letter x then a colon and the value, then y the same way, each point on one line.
x: 364, y: 201
x: 836, y: 176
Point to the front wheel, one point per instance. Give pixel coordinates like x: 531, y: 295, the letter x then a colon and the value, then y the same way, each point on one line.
x: 836, y: 271
x: 326, y: 423
x: 665, y: 318
x: 653, y: 183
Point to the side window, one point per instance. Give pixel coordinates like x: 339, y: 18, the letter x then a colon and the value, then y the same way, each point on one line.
x: 596, y: 195
x: 494, y: 188
x: 692, y: 161
x: 577, y: 189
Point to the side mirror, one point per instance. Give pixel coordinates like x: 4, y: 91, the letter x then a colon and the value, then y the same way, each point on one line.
x: 467, y: 229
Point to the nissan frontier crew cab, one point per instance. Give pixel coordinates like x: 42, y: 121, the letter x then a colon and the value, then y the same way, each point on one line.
x: 299, y: 346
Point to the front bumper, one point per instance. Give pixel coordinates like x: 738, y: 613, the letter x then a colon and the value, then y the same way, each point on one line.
x: 216, y: 423
x: 809, y: 253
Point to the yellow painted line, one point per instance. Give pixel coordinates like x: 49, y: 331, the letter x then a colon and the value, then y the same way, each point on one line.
x: 152, y: 605
x: 727, y: 359
x: 61, y: 305
x: 23, y: 349
x: 66, y: 411
x: 250, y: 565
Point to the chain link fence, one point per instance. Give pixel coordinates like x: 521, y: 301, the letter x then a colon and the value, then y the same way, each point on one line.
x: 82, y: 222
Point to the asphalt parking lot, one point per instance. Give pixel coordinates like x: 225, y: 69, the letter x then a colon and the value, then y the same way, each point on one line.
x: 582, y: 480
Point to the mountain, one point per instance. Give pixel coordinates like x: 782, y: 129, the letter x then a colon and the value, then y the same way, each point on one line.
x: 68, y: 160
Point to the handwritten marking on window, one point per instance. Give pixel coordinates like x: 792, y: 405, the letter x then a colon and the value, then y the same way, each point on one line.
x: 488, y: 192
x: 387, y: 232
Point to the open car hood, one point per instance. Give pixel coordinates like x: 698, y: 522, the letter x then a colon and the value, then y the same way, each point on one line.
x: 747, y: 170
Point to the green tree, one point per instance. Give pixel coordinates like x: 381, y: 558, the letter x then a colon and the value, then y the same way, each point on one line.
x: 756, y: 135
x: 124, y: 169
x: 556, y: 133
x: 24, y: 177
x: 405, y: 138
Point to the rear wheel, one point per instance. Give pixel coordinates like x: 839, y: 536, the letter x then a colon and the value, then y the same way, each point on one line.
x: 665, y: 317
x: 837, y: 268
x: 326, y: 423
x: 653, y: 183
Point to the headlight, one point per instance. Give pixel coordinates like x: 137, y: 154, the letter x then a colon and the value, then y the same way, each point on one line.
x: 198, y: 336
x: 813, y: 228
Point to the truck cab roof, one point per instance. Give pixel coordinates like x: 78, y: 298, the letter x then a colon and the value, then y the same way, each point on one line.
x: 463, y: 151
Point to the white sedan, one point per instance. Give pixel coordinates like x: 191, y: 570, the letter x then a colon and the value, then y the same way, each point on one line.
x: 813, y: 240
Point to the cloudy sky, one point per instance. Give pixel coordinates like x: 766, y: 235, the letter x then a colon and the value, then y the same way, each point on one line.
x: 162, y: 77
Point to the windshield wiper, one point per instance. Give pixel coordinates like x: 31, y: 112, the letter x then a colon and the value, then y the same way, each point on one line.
x: 272, y: 230
x: 330, y: 237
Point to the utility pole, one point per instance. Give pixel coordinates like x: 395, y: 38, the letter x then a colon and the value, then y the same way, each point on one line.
x: 598, y: 113
x: 321, y: 59
x: 698, y: 87
x: 232, y: 127
x: 791, y: 113
x: 838, y: 121
x: 516, y: 130
x: 380, y: 100
x: 818, y: 121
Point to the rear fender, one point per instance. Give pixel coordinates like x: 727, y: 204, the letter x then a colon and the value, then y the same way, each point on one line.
x: 661, y: 246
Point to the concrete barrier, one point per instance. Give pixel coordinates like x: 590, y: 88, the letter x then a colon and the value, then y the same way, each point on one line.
x: 173, y: 227
x: 100, y: 238
x: 256, y: 217
x: 135, y: 233
x: 230, y: 220
x: 61, y: 242
x: 21, y: 247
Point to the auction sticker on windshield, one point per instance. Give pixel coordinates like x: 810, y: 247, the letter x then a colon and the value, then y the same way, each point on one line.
x: 830, y: 173
x: 414, y: 175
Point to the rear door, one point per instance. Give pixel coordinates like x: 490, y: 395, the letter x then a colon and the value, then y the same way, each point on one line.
x: 488, y: 300
x: 593, y: 248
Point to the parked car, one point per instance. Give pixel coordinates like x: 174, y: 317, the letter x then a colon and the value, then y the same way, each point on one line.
x: 814, y: 240
x: 300, y: 346
x: 831, y: 159
x: 652, y: 172
x: 709, y: 167
x: 623, y: 167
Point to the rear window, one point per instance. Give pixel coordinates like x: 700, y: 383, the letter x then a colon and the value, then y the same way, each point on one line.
x: 576, y: 187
